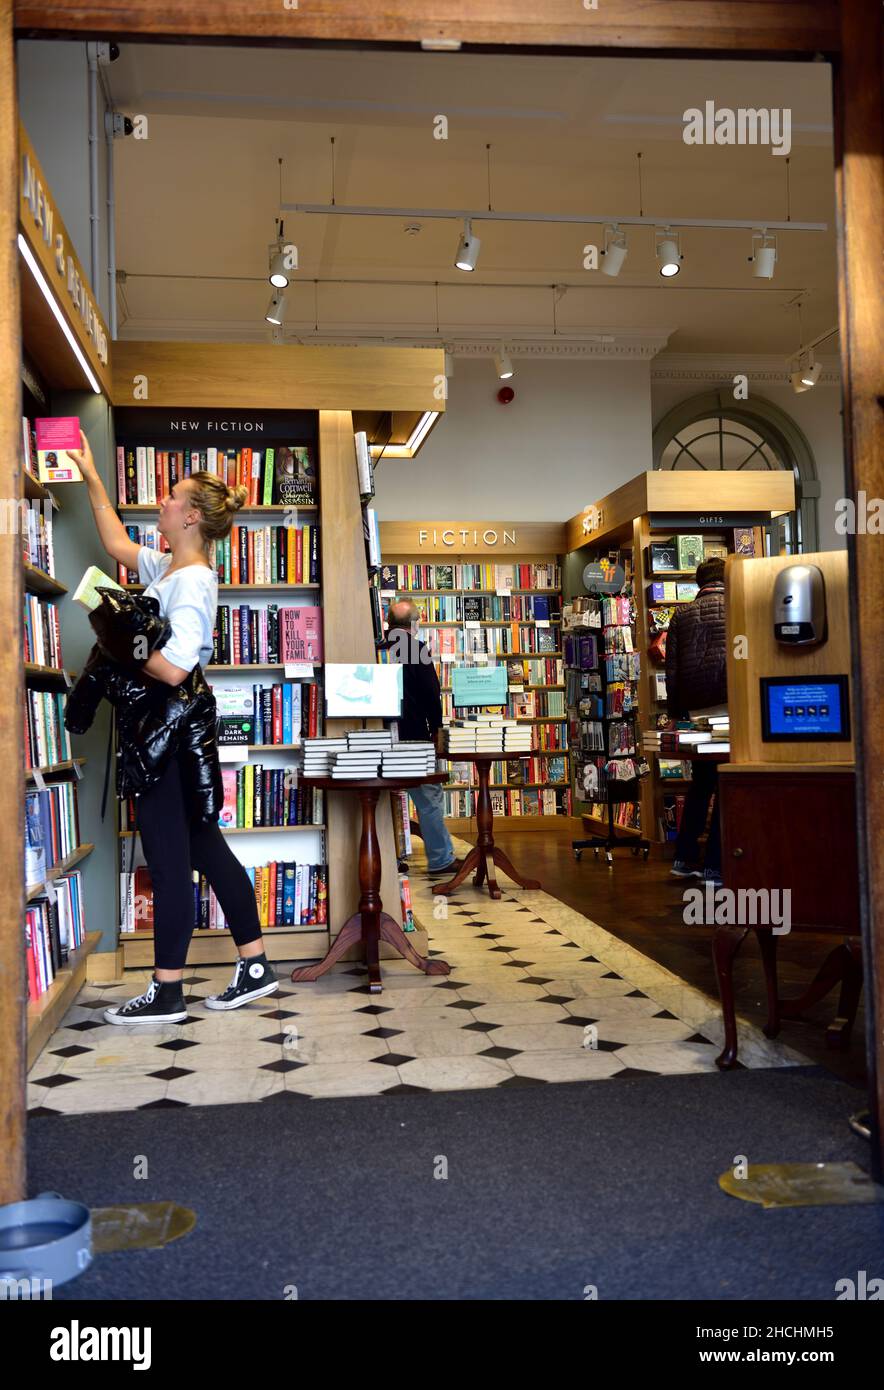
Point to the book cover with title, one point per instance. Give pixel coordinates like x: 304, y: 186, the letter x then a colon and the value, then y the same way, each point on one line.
x: 55, y: 435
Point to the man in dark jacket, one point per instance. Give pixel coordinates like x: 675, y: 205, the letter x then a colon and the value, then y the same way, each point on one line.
x: 421, y: 719
x: 696, y: 679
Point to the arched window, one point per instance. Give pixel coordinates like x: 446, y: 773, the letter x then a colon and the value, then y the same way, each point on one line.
x: 712, y: 432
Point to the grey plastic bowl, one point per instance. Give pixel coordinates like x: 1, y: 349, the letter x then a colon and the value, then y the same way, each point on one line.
x: 45, y: 1238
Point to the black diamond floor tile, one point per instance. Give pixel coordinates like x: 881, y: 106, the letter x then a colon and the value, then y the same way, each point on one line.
x: 383, y: 1033
x: 178, y: 1044
x: 635, y: 994
x: 196, y: 980
x: 480, y: 1027
x: 373, y: 1009
x: 281, y: 1013
x: 664, y: 1013
x: 51, y: 1082
x: 538, y: 919
x: 72, y: 1051
x: 392, y: 1059
x: 611, y: 975
x: 283, y: 1064
x: 84, y: 1027
x: 281, y: 1038
x: 605, y: 1045
x: 537, y: 980
x: 557, y: 999
x: 95, y: 1003
x: 405, y: 1090
x: 502, y: 1052
x: 490, y: 935
x: 465, y: 1004
x: 522, y: 1081
x: 41, y: 1110
x: 590, y: 958
x: 698, y: 1037
x: 634, y: 1071
x: 453, y: 984
x: 573, y: 1021
x: 164, y: 1104
x: 172, y: 1073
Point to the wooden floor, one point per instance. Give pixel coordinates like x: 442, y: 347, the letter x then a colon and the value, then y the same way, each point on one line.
x: 641, y: 904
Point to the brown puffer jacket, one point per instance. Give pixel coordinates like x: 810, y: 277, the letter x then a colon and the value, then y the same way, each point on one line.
x: 696, y: 668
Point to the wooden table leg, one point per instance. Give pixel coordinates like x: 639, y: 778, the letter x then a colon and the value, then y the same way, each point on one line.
x: 503, y: 862
x: 767, y: 944
x: 392, y: 933
x: 725, y: 944
x: 466, y: 867
x: 370, y: 924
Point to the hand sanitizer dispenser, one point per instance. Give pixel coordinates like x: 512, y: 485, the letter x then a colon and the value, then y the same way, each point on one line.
x: 800, y: 606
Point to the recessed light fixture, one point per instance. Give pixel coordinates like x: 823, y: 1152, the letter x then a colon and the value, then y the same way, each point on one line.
x: 615, y: 251
x: 503, y: 364
x: 468, y: 248
x: 276, y: 308
x: 668, y: 252
x: 764, y: 255
x: 412, y: 228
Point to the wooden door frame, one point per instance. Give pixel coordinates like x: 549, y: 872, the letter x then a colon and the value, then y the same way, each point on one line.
x: 845, y: 31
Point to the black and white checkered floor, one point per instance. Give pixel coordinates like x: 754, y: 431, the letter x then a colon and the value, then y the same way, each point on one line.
x: 537, y: 993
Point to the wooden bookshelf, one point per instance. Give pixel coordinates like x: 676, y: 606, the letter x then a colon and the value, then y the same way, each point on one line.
x: 37, y: 581
x: 53, y: 770
x: 45, y: 1014
x: 64, y: 866
x: 248, y: 830
x: 215, y: 946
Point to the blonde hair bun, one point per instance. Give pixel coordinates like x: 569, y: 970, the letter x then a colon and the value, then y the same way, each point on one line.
x: 236, y: 497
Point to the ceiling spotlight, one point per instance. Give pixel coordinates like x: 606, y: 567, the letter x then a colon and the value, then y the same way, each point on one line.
x: 668, y: 253
x: 805, y: 371
x: 810, y: 371
x: 468, y: 248
x: 279, y: 275
x: 764, y: 255
x: 276, y: 308
x: 503, y: 364
x: 615, y: 250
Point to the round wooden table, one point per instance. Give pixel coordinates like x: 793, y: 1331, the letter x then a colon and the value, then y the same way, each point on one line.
x: 485, y: 854
x: 370, y: 924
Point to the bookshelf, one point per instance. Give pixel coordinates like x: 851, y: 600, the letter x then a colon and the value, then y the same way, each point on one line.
x: 480, y: 609
x: 650, y: 510
x: 57, y: 943
x: 268, y: 566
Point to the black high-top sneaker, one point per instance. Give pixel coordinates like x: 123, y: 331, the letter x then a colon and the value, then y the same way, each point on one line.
x: 161, y: 1002
x: 252, y: 979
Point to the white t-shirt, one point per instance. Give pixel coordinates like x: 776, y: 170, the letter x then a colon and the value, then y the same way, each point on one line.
x: 189, y: 599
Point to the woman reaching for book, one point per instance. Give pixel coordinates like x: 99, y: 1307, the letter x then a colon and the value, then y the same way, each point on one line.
x: 178, y: 811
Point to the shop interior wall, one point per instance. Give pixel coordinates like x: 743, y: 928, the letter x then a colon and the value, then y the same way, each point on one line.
x: 817, y: 413
x: 53, y: 94
x: 575, y: 430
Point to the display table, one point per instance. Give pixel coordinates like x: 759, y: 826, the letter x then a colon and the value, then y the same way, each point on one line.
x: 485, y: 853
x: 370, y: 924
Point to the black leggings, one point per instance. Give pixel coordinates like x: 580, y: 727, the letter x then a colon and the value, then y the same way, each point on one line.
x: 173, y: 848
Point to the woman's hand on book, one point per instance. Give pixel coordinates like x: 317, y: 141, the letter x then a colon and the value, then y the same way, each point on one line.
x: 82, y: 457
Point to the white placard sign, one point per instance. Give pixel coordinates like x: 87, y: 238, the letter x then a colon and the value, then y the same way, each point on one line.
x: 298, y: 670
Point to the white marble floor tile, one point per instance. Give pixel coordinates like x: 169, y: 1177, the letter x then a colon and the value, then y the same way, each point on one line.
x: 328, y: 1079
x: 669, y: 1058
x: 534, y: 1011
x: 454, y: 1073
x: 539, y: 1037
x: 440, y: 1041
x: 106, y: 1093
x: 230, y: 1087
x: 579, y: 1065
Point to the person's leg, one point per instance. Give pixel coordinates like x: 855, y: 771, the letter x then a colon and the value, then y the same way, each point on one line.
x: 693, y: 818
x: 713, y: 840
x: 253, y: 976
x: 163, y: 826
x: 429, y: 802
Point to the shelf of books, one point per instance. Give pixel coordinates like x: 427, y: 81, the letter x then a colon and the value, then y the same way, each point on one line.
x: 56, y: 941
x: 485, y: 613
x: 603, y: 670
x: 669, y: 560
x: 265, y: 673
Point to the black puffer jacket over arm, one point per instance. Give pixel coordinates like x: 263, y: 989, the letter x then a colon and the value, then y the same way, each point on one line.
x: 154, y: 720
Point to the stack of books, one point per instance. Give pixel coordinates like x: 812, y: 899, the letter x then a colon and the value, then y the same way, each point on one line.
x: 718, y: 726
x: 409, y: 759
x: 362, y: 756
x: 319, y: 755
x: 516, y: 738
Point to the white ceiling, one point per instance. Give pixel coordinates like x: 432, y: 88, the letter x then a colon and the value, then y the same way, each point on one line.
x: 196, y: 200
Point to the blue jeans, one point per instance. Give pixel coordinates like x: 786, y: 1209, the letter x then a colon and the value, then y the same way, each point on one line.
x: 429, y: 802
